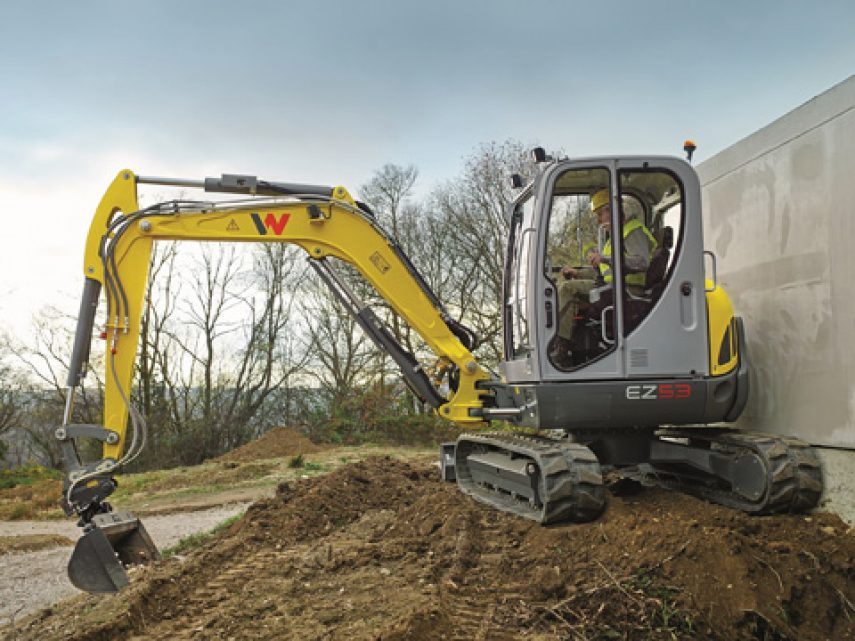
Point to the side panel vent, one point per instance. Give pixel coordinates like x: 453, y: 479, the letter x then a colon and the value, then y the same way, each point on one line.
x: 638, y: 358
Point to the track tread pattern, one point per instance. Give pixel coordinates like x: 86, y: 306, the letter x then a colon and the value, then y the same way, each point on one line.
x: 571, y: 484
x: 793, y: 471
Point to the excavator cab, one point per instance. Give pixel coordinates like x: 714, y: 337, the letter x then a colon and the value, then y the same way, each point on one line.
x: 618, y: 344
x: 641, y: 315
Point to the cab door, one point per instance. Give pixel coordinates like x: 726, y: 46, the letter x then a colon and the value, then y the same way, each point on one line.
x: 664, y: 322
x: 643, y: 315
x: 578, y: 315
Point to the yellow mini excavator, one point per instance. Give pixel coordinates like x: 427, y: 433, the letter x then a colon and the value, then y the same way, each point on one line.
x: 635, y: 367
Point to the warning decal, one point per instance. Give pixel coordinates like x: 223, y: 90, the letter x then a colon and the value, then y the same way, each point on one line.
x: 379, y: 262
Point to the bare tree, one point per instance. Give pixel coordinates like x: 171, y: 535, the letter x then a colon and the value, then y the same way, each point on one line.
x: 155, y: 361
x: 456, y: 240
x: 11, y: 398
x: 474, y: 208
x: 45, y: 359
x: 341, y: 354
x: 215, y: 361
x: 389, y: 192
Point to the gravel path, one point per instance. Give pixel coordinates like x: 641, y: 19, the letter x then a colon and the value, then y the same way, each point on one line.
x: 34, y: 580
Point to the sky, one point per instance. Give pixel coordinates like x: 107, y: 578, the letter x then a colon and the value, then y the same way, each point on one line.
x: 328, y: 91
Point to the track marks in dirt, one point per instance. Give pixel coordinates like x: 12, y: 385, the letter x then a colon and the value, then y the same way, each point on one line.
x: 466, y: 603
x: 382, y: 551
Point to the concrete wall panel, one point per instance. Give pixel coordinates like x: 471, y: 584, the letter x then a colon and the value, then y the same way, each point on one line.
x: 779, y: 212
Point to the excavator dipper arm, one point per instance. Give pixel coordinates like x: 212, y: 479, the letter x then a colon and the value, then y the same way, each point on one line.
x: 326, y: 223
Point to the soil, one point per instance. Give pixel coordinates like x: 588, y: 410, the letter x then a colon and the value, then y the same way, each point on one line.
x: 277, y: 443
x: 382, y: 550
x: 35, y: 579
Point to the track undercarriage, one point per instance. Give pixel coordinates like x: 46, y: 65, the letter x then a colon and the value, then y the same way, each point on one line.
x: 754, y: 472
x: 550, y: 480
x: 541, y: 479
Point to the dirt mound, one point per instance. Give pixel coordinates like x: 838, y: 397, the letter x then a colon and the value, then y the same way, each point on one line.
x: 381, y: 550
x: 277, y: 443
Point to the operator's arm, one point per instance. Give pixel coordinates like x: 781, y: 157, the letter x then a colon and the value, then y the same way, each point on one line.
x: 579, y: 272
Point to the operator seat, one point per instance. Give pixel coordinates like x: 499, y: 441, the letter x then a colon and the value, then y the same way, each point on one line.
x: 655, y: 279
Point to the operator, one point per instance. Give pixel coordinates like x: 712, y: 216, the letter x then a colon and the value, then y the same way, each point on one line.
x: 574, y: 292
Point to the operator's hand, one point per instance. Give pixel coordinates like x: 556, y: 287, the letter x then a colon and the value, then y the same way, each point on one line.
x: 595, y: 258
x: 569, y: 272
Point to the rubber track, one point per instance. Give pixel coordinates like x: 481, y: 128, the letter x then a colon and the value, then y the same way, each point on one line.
x: 571, y: 484
x: 793, y: 471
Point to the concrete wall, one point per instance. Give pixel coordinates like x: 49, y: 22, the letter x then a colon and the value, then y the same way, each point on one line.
x: 779, y: 211
x: 839, y: 479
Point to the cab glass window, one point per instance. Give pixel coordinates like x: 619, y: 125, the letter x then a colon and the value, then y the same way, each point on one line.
x: 584, y: 315
x: 517, y: 290
x: 651, y: 222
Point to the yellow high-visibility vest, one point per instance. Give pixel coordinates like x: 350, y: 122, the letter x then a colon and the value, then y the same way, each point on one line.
x: 631, y: 279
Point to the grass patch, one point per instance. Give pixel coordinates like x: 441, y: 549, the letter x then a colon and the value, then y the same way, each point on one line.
x: 203, y: 478
x: 300, y: 463
x: 664, y: 612
x: 27, y: 475
x: 199, y: 539
x: 28, y: 492
x: 144, y: 481
x: 19, y: 511
x: 37, y: 490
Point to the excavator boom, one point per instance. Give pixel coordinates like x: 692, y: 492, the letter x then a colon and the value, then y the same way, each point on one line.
x: 326, y: 223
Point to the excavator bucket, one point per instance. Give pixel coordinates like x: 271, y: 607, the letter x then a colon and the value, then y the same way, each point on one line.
x: 113, y: 540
